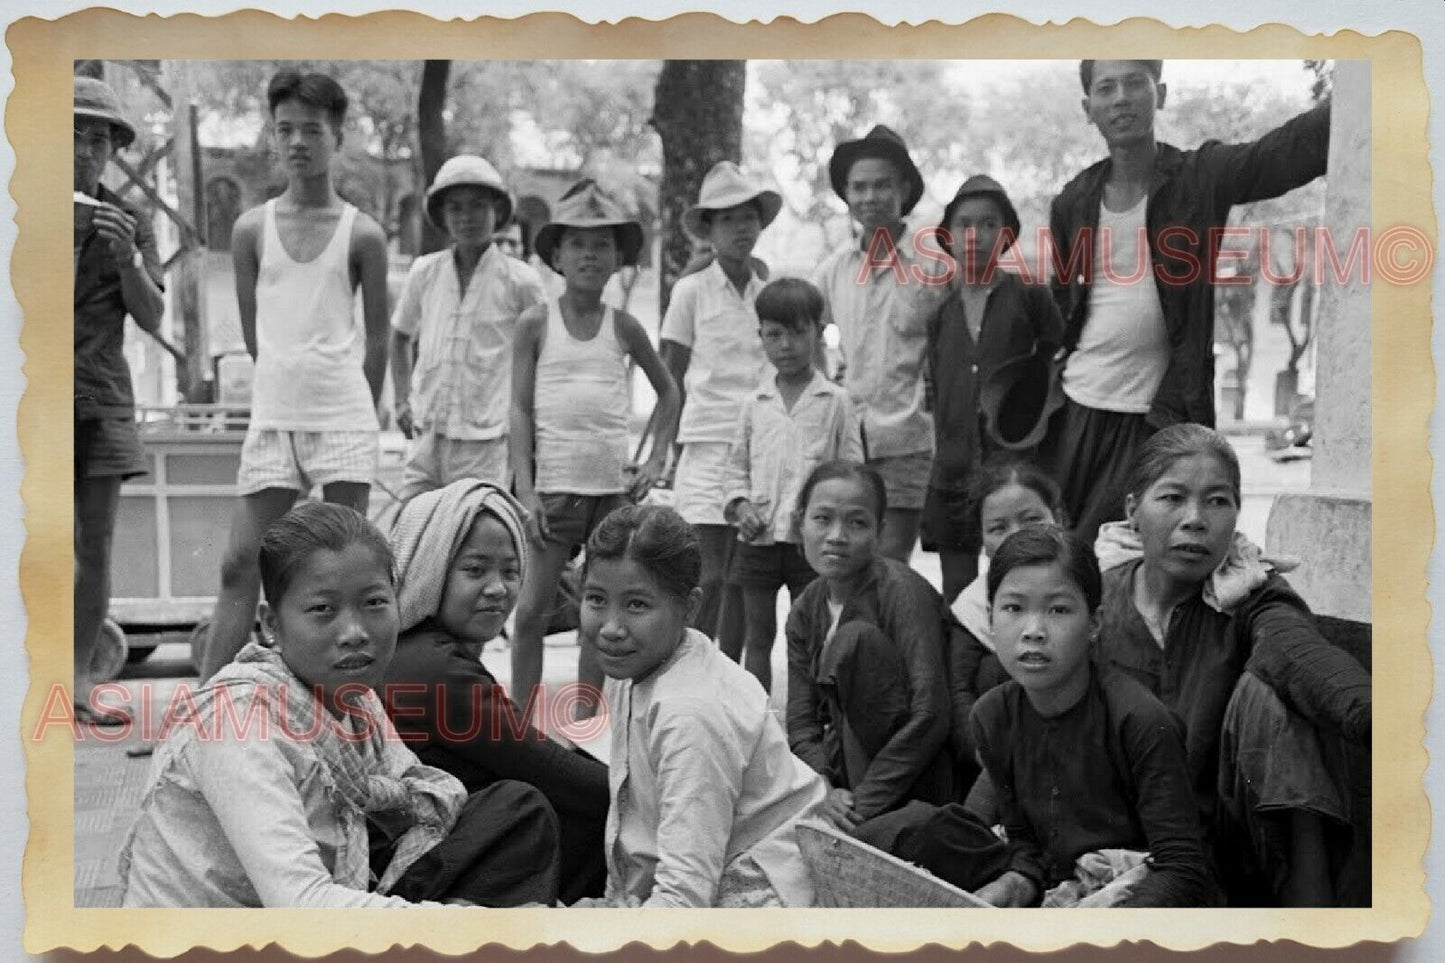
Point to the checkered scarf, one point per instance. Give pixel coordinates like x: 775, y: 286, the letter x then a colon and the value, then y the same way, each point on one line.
x: 429, y: 530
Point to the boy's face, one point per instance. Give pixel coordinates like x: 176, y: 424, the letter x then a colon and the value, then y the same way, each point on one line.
x: 587, y: 256
x: 305, y: 138
x: 734, y: 231
x: 874, y: 192
x: 1122, y: 100
x: 789, y: 348
x: 975, y: 228
x: 470, y: 215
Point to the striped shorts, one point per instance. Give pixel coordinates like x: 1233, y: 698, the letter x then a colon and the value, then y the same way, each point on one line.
x: 298, y: 460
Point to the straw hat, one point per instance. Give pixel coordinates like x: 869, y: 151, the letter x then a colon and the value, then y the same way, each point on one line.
x: 585, y: 205
x: 94, y: 98
x: 981, y: 185
x: 725, y: 186
x: 467, y: 170
x: 884, y: 143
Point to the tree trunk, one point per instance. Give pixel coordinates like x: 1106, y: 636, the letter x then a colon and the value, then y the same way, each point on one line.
x: 432, y: 135
x: 698, y: 113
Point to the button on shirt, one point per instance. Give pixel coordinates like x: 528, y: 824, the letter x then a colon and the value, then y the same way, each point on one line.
x: 708, y: 315
x: 883, y: 324
x: 775, y: 449
x: 462, y: 384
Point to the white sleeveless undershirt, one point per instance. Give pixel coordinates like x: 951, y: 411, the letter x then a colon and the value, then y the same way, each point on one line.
x: 580, y: 409
x: 310, y: 345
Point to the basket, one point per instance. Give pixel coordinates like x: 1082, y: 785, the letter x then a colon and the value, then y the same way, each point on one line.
x: 849, y: 873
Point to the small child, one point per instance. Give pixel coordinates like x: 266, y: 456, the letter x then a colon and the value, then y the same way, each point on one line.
x: 1089, y: 766
x: 571, y: 405
x: 705, y: 794
x: 867, y: 692
x: 282, y: 783
x: 708, y: 344
x: 991, y: 318
x: 792, y: 422
x: 1007, y: 496
x: 459, y: 308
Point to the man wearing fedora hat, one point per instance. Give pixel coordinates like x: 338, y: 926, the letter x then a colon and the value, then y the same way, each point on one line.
x: 990, y: 321
x: 1141, y: 344
x: 299, y: 260
x: 117, y: 273
x: 875, y: 296
x: 710, y: 344
x: 459, y: 308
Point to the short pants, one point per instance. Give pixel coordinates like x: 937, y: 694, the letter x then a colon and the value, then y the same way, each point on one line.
x: 571, y: 518
x: 771, y: 567
x: 905, y: 478
x: 276, y: 458
x: 698, y: 483
x: 108, y: 448
x: 434, y: 461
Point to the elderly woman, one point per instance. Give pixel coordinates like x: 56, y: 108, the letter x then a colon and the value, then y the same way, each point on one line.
x: 1191, y: 609
x: 461, y: 554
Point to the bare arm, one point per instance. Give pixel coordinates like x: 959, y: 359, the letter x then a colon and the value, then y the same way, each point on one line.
x: 669, y: 400
x: 522, y: 440
x: 246, y: 262
x: 368, y: 260
x: 404, y: 323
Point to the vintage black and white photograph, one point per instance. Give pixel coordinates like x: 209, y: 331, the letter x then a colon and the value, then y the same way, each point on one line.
x: 447, y: 433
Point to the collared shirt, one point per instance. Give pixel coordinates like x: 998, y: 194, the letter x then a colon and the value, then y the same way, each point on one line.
x: 701, y: 774
x: 883, y: 324
x: 774, y: 449
x: 708, y: 315
x: 1107, y: 773
x: 462, y: 385
x: 102, y: 374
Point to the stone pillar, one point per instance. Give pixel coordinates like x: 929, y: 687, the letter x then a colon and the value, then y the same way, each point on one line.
x: 1328, y: 527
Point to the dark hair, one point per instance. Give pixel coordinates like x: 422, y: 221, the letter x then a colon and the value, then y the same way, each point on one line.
x: 1045, y: 545
x: 313, y: 90
x: 1086, y: 71
x: 791, y: 302
x: 524, y: 230
x: 312, y: 527
x: 655, y: 537
x: 1003, y: 473
x: 1183, y: 440
x: 830, y: 470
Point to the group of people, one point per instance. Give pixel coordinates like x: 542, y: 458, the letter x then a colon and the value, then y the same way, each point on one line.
x: 1125, y: 708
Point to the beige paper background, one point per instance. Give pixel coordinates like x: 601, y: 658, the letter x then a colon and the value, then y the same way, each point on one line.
x: 1403, y: 381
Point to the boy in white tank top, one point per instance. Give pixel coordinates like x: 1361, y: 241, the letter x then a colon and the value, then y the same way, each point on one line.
x: 570, y: 414
x: 299, y: 260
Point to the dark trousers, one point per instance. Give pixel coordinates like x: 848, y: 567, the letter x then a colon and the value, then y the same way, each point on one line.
x: 1090, y: 453
x: 504, y: 850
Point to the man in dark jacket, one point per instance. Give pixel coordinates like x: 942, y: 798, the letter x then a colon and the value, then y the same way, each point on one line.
x: 1137, y: 236
x: 116, y: 273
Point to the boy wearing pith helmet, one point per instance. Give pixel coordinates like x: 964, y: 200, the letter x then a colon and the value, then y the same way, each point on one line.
x: 459, y: 309
x: 990, y: 318
x: 873, y: 294
x: 710, y: 345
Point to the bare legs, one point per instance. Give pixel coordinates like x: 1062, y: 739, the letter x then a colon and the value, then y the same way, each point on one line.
x: 96, y: 501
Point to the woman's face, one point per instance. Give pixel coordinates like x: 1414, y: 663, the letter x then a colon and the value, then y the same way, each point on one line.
x: 1006, y: 510
x: 634, y: 623
x: 1186, y: 518
x: 335, y: 627
x: 840, y: 528
x: 482, y: 583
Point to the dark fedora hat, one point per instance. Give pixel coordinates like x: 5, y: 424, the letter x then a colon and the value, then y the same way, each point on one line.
x: 981, y: 185
x: 1020, y: 396
x: 881, y: 142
